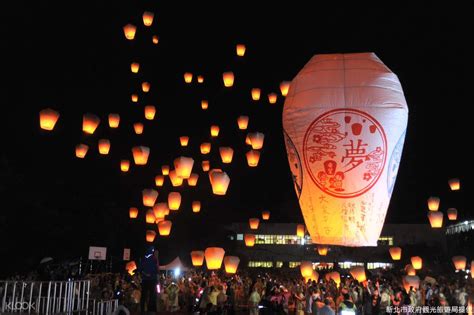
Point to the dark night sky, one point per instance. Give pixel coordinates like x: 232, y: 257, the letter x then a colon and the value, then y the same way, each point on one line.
x: 74, y: 58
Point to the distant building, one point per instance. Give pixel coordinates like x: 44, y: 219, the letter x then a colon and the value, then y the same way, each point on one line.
x: 461, y: 238
x: 278, y: 246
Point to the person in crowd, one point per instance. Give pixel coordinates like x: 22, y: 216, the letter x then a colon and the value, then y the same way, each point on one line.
x: 254, y: 301
x: 148, y: 269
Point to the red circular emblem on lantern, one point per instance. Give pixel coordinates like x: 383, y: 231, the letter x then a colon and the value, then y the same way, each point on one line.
x: 344, y: 151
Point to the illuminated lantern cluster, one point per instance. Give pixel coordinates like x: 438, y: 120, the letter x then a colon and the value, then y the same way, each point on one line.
x: 133, y: 213
x: 358, y: 273
x: 129, y: 31
x: 124, y: 165
x: 81, y: 150
x: 452, y: 214
x: 231, y: 263
x: 240, y: 50
x: 214, y: 257
x: 249, y: 240
x: 219, y: 181
x: 114, y: 120
x: 164, y: 227
x: 255, y: 94
x: 104, y: 146
x: 90, y: 122
x: 454, y: 184
x: 140, y: 155
x: 416, y: 262
x: 149, y: 197
x: 228, y: 78
x: 197, y: 258
x: 395, y: 253
x: 174, y: 200
x: 150, y: 112
x: 254, y: 223
x: 227, y: 154
x: 48, y: 119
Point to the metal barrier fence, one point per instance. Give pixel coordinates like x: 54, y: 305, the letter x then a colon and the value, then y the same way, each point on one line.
x: 53, y: 297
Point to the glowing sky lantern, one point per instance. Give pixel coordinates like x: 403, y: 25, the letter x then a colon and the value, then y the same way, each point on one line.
x: 436, y: 219
x: 240, y: 50
x: 130, y: 267
x: 174, y: 200
x: 433, y: 203
x: 256, y: 140
x: 219, y: 181
x: 395, y: 253
x: 334, y: 276
x: 138, y: 128
x: 459, y: 262
x: 272, y: 98
x: 204, y: 104
x: 197, y: 258
x: 149, y: 197
x: 416, y: 262
x: 146, y: 87
x: 161, y: 210
x: 90, y: 122
x: 215, y: 131
x: 140, y: 155
x: 227, y: 154
x: 411, y: 281
x: 196, y: 206
x: 164, y: 227
x: 150, y: 217
x: 214, y: 257
x: 150, y: 236
x: 265, y: 215
x: 133, y: 212
x: 183, y: 141
x: 454, y: 184
x: 193, y: 179
x: 104, y: 146
x: 249, y: 240
x: 129, y: 31
x: 159, y: 180
x: 188, y: 77
x: 206, y: 165
x: 114, y: 120
x: 322, y: 250
x: 254, y: 223
x: 134, y: 98
x: 253, y: 156
x: 155, y: 39
x: 452, y: 214
x: 134, y: 67
x: 175, y: 179
x: 344, y: 131
x: 228, y: 78
x: 358, y: 273
x: 231, y: 263
x: 255, y: 94
x: 200, y: 79
x: 81, y: 150
x: 205, y: 147
x: 124, y: 165
x: 284, y: 87
x: 300, y: 229
x: 306, y: 269
x: 410, y: 270
x: 243, y: 122
x: 165, y: 170
x: 148, y: 18
x: 48, y: 119
x: 183, y: 166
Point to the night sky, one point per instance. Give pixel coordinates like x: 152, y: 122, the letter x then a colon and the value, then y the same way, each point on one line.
x: 74, y: 58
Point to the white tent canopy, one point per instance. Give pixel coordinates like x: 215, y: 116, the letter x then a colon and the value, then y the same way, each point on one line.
x: 173, y: 265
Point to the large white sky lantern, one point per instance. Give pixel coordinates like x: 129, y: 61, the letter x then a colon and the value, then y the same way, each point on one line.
x: 344, y: 123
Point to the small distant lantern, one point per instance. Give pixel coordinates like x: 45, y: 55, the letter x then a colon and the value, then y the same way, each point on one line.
x: 150, y: 217
x: 205, y: 147
x: 231, y: 263
x: 433, y: 203
x: 134, y: 66
x: 90, y: 122
x: 204, y: 104
x: 417, y: 262
x: 240, y: 50
x: 255, y: 94
x: 206, y: 165
x: 284, y: 87
x: 436, y: 219
x: 227, y: 154
x: 395, y: 253
x: 334, y: 276
x: 197, y: 258
x: 254, y: 223
x: 214, y: 131
x: 164, y: 227
x: 411, y: 281
x: 452, y: 214
x: 161, y: 210
x: 214, y: 257
x: 256, y: 140
x: 174, y: 200
x: 165, y: 170
x: 196, y: 206
x: 146, y: 87
x: 81, y: 150
x: 253, y: 156
x: 138, y: 128
x: 300, y: 230
x: 104, y: 146
x: 188, y: 77
x: 459, y: 262
x: 159, y: 180
x: 140, y: 155
x: 454, y: 184
x: 129, y: 31
x: 149, y: 197
x: 228, y: 78
x: 272, y: 98
x: 472, y: 269
x: 133, y: 213
x: 192, y: 180
x: 175, y: 179
x: 183, y: 166
x: 130, y: 267
x: 114, y: 120
x: 243, y: 122
x: 148, y: 18
x: 155, y: 39
x: 306, y: 269
x: 322, y: 250
x: 266, y: 215
x: 200, y: 79
x: 358, y: 273
x: 219, y: 181
x: 48, y: 119
x: 184, y: 140
x: 134, y: 98
x: 249, y: 240
x: 124, y: 165
x: 150, y: 236
x: 410, y: 270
